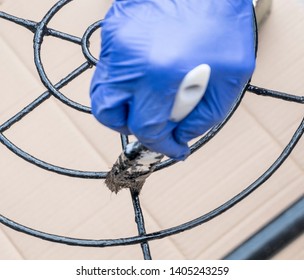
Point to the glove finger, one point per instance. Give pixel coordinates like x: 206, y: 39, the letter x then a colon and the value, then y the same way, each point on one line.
x: 110, y: 106
x: 149, y: 111
x: 170, y: 147
x: 149, y: 122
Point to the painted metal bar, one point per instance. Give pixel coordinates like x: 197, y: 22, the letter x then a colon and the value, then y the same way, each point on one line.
x: 274, y: 236
x: 32, y: 26
x: 25, y: 111
x: 276, y: 94
x: 40, y: 29
x: 139, y: 217
x: 43, y: 97
x: 170, y: 231
x: 50, y: 167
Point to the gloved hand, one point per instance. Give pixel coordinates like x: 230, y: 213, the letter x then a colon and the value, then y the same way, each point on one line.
x: 149, y: 46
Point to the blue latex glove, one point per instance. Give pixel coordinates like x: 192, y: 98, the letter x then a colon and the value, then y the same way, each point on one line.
x: 149, y: 46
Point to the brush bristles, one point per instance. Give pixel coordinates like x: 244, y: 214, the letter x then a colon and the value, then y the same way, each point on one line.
x: 131, y: 172
x: 123, y: 175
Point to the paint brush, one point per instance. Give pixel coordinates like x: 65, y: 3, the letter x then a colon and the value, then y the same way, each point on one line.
x: 137, y: 162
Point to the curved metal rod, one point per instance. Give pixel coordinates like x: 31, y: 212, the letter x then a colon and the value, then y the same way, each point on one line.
x: 89, y: 174
x: 50, y: 167
x: 38, y: 39
x: 41, y: 30
x: 202, y: 141
x: 174, y: 230
x: 48, y: 84
x: 206, y: 138
x: 85, y: 42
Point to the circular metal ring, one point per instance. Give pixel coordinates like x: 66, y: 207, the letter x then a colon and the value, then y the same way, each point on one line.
x: 85, y: 42
x: 173, y: 230
x: 38, y: 39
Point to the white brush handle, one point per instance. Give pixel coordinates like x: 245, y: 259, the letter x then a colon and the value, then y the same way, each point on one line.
x: 191, y: 91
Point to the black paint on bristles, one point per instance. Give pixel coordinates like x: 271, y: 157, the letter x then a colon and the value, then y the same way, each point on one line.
x: 132, y: 168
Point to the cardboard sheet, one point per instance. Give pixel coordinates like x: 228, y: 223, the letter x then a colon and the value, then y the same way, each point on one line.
x: 84, y: 208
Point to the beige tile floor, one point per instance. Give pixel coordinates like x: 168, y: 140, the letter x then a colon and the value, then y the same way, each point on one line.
x: 240, y: 153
